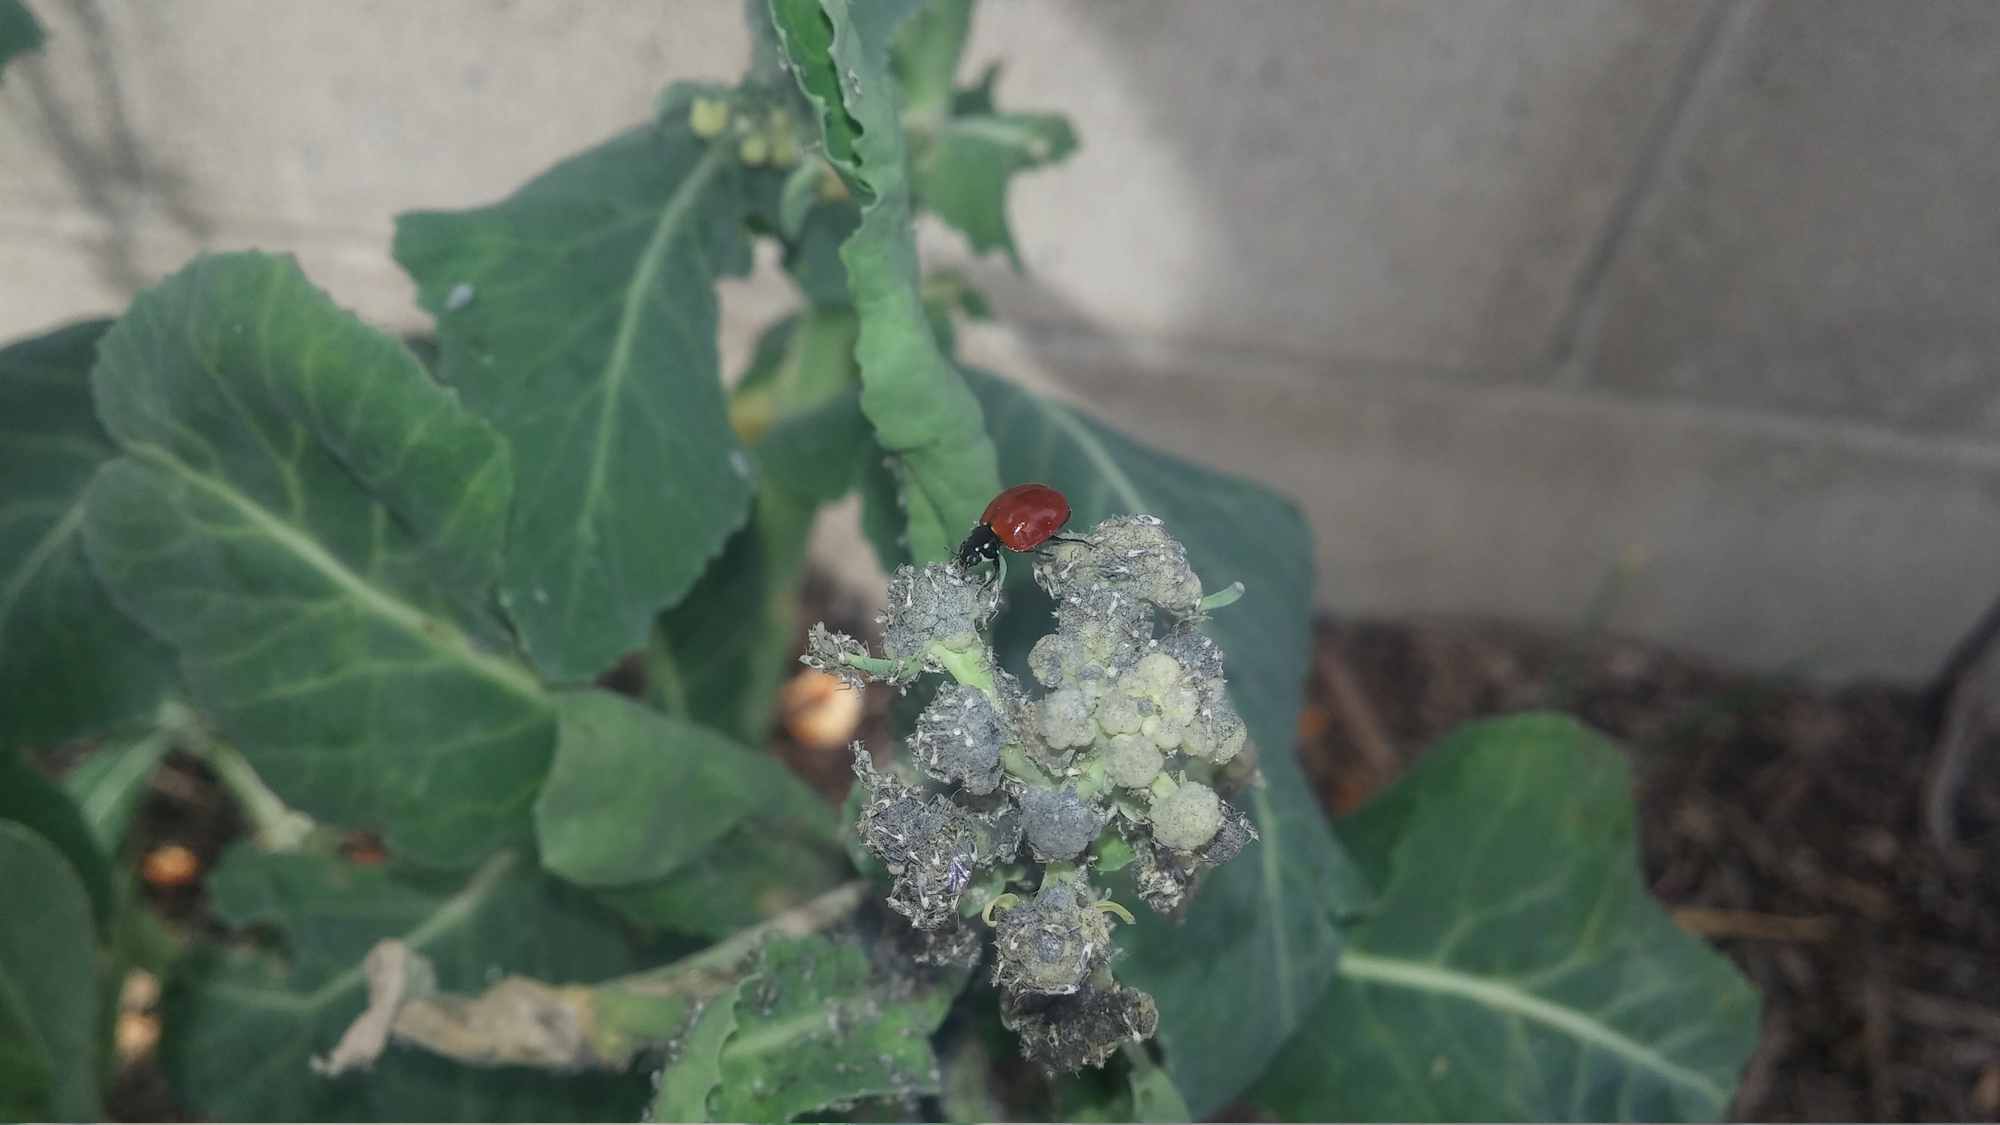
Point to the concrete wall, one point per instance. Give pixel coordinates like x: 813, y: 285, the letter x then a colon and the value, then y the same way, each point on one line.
x: 1678, y: 316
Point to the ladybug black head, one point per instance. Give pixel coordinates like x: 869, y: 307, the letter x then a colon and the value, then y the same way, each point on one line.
x: 980, y: 546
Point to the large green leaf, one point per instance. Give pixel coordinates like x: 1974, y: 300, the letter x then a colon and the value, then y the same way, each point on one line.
x: 820, y: 1025
x: 579, y: 317
x: 1259, y: 942
x: 635, y: 795
x: 964, y: 166
x: 923, y: 413
x: 315, y: 525
x: 243, y: 1026
x: 767, y: 865
x: 70, y: 663
x: 1516, y: 968
x: 40, y: 805
x: 19, y: 32
x: 49, y: 1034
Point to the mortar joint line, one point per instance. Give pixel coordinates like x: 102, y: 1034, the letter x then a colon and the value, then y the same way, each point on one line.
x: 1573, y: 343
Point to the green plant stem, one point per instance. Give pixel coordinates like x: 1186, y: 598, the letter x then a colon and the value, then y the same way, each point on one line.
x: 1015, y: 760
x: 276, y: 826
x: 972, y: 666
x: 1227, y: 596
x: 882, y: 668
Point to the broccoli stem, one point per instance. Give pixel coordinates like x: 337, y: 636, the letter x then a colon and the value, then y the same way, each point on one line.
x: 971, y: 666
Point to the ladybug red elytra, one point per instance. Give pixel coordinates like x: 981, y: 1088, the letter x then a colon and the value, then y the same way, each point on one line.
x: 1020, y: 519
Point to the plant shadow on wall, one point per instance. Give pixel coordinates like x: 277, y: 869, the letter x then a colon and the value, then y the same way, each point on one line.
x: 371, y: 594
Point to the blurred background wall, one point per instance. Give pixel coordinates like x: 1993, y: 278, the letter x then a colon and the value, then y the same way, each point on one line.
x: 1678, y: 318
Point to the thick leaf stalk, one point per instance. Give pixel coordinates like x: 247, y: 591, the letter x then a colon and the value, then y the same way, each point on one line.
x: 1032, y: 796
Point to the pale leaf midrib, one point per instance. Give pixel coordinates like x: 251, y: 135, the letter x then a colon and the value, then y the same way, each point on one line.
x: 1099, y: 457
x: 135, y: 760
x: 435, y: 632
x: 777, y: 1034
x: 1502, y: 997
x: 1010, y: 132
x: 38, y: 557
x: 618, y: 365
x: 448, y: 916
x: 1281, y: 950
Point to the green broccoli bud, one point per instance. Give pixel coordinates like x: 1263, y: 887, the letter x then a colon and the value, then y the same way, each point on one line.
x: 1127, y: 681
x: 1118, y: 712
x: 1166, y: 879
x: 1064, y: 719
x: 1132, y: 762
x: 1186, y: 818
x: 1217, y: 734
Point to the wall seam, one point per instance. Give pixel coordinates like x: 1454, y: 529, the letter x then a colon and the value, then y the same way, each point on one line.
x: 1573, y: 342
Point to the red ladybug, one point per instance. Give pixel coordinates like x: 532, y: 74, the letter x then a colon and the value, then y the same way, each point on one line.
x: 1020, y: 519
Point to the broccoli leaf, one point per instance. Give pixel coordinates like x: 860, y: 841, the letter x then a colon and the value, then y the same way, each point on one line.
x: 964, y: 165
x: 635, y: 795
x: 923, y: 413
x: 1515, y: 967
x: 70, y: 663
x: 1259, y: 941
x: 819, y: 1025
x: 36, y: 803
x: 316, y: 526
x: 49, y: 1013
x: 695, y: 1069
x: 768, y: 864
x: 579, y: 317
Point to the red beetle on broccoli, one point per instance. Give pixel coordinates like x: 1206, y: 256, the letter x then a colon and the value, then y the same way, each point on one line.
x: 1020, y: 519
